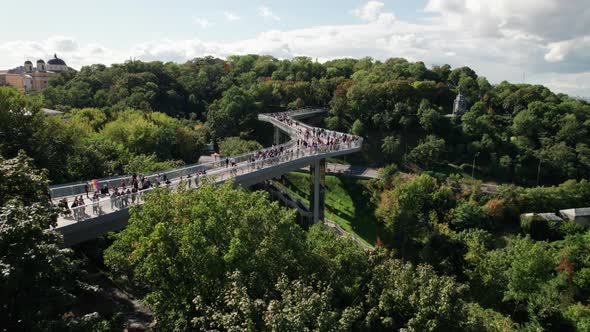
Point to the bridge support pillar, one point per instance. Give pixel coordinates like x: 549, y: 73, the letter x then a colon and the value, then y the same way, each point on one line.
x: 276, y: 136
x: 317, y: 200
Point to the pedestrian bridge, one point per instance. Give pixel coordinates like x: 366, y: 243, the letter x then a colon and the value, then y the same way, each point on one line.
x: 307, y: 146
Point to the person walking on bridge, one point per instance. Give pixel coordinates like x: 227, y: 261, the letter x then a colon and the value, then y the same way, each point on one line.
x: 95, y: 205
x: 127, y: 196
x: 133, y: 195
x: 75, y: 208
x: 82, y: 207
x: 113, y: 198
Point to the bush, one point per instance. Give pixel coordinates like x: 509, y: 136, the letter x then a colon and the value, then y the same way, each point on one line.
x: 388, y: 172
x: 570, y: 228
x: 579, y: 315
x: 469, y: 215
x: 142, y: 164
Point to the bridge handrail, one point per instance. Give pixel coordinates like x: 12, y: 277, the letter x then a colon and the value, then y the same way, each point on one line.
x: 58, y: 191
x: 215, y: 175
x: 216, y: 168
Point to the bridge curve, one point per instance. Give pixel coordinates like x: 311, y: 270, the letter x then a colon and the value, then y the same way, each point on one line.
x: 307, y: 146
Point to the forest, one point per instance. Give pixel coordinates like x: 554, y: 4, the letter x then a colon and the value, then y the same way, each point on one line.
x: 519, y: 133
x: 451, y: 257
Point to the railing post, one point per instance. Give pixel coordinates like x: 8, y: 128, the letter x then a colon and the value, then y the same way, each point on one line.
x: 317, y: 201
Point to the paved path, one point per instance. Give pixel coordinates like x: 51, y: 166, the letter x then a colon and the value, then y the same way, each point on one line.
x: 353, y: 170
x: 350, y: 170
x: 373, y: 173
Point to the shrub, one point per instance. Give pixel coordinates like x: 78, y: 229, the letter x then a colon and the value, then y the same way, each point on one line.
x: 469, y: 214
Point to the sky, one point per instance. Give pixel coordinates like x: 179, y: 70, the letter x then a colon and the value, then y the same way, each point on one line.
x: 534, y: 41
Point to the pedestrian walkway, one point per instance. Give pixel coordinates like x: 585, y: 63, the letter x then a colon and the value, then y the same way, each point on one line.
x: 307, y: 143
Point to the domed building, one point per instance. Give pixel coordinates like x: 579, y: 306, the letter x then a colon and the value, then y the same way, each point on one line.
x: 28, y: 78
x: 56, y: 64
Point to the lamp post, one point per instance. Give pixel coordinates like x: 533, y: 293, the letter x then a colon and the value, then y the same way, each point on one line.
x: 473, y: 165
x: 539, y: 171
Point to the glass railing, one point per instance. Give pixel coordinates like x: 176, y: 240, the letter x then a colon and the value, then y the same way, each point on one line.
x: 79, y: 188
x: 216, y: 171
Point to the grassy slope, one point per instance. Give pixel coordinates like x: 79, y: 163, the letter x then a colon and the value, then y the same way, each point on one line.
x: 347, y: 203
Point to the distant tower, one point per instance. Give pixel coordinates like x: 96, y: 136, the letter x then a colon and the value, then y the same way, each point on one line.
x: 41, y: 66
x: 28, y: 66
x: 460, y: 105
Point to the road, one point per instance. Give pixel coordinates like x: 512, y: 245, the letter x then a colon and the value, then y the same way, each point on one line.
x: 373, y: 173
x: 350, y: 170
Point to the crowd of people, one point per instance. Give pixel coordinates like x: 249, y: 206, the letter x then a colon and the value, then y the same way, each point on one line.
x: 308, y: 140
x: 128, y: 192
x: 316, y: 138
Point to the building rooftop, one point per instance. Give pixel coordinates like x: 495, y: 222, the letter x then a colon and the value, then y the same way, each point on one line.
x: 56, y: 61
x: 49, y: 112
x: 17, y: 70
x: 576, y: 213
x: 548, y: 216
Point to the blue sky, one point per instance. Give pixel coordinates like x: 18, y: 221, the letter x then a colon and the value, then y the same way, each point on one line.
x: 548, y: 40
x: 121, y: 22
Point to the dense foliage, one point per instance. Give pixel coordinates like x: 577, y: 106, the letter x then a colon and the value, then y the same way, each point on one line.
x: 463, y: 231
x: 453, y: 257
x: 516, y: 130
x: 226, y: 259
x: 39, y: 282
x: 90, y: 143
x: 232, y: 146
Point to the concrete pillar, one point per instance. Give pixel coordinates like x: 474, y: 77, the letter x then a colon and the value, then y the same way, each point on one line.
x: 317, y: 200
x: 277, y: 136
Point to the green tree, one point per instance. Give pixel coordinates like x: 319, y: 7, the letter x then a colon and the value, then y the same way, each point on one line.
x: 232, y: 146
x: 531, y: 279
x: 210, y: 232
x: 429, y: 119
x: 231, y: 114
x: 37, y: 277
x: 428, y: 152
x: 579, y: 315
x: 411, y: 298
x: 358, y: 128
x: 469, y: 214
x: 391, y: 147
x: 405, y: 210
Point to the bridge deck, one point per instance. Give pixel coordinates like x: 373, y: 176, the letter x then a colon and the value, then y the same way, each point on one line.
x: 111, y: 213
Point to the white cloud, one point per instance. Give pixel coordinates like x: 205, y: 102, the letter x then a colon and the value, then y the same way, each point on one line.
x: 13, y: 53
x: 370, y: 11
x: 575, y: 84
x: 572, y: 50
x: 231, y: 16
x: 64, y: 44
x: 496, y: 47
x: 202, y: 22
x: 267, y: 13
x: 550, y: 20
